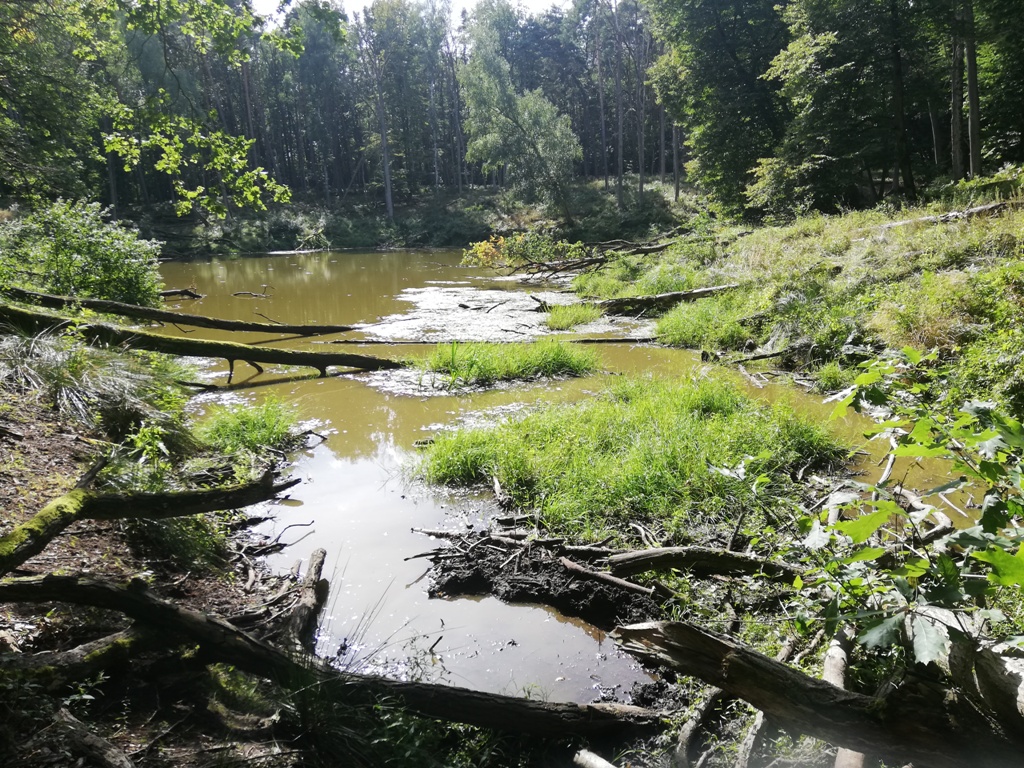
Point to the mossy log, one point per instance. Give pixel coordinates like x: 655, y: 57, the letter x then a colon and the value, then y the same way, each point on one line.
x: 221, y: 642
x: 165, y: 316
x: 31, y: 537
x: 34, y: 321
x: 631, y: 305
x: 920, y: 722
x: 700, y: 561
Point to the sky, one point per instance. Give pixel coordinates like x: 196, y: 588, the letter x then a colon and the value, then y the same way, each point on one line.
x: 268, y: 7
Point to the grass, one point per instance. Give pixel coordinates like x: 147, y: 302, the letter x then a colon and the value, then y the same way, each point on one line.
x: 482, y: 364
x: 675, y: 455
x: 827, y: 285
x: 252, y: 428
x: 562, y: 317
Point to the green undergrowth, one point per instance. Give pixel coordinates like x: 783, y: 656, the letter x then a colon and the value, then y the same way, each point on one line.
x: 843, y: 288
x: 485, y: 363
x: 678, y: 456
x: 563, y: 317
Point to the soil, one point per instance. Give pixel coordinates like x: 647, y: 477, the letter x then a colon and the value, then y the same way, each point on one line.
x: 157, y: 711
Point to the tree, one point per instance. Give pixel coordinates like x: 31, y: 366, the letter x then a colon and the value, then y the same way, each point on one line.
x: 523, y: 134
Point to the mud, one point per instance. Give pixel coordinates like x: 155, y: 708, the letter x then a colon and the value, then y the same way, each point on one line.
x: 533, y: 574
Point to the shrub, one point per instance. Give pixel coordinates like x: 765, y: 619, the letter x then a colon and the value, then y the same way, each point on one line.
x: 69, y: 249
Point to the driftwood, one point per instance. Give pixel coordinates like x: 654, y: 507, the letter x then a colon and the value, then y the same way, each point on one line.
x: 221, y: 642
x: 701, y: 561
x: 634, y: 304
x: 919, y: 722
x: 587, y: 759
x: 34, y: 321
x: 312, y: 597
x: 586, y: 573
x: 164, y: 316
x: 32, y: 536
x: 180, y: 293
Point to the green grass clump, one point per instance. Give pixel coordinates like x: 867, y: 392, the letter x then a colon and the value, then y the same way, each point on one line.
x: 467, y: 364
x: 714, y: 322
x: 251, y: 429
x: 562, y: 317
x: 676, y: 455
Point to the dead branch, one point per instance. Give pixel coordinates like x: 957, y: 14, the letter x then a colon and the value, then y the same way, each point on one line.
x: 586, y: 573
x: 920, y: 722
x: 32, y: 536
x: 632, y: 305
x: 312, y: 597
x: 221, y: 642
x: 164, y: 316
x: 701, y: 561
x: 34, y: 321
x: 85, y: 742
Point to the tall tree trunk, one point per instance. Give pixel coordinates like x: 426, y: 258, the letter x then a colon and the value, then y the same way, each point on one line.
x: 619, y: 108
x: 385, y: 153
x: 600, y: 95
x: 956, y: 102
x: 675, y: 161
x: 899, y: 112
x: 973, y: 100
x: 661, y: 134
x: 937, y: 137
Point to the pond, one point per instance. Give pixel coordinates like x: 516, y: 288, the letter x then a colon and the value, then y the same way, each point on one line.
x: 358, y: 498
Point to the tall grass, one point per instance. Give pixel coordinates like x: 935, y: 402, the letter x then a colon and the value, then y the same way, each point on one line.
x: 677, y: 455
x: 468, y: 364
x: 252, y: 428
x: 562, y: 317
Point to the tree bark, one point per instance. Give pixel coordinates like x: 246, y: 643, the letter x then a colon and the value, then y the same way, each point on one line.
x: 920, y: 722
x: 701, y: 561
x: 221, y: 642
x: 31, y: 537
x: 312, y: 596
x: 34, y: 321
x: 85, y: 742
x: 956, y: 102
x: 834, y: 672
x: 165, y: 316
x: 973, y: 99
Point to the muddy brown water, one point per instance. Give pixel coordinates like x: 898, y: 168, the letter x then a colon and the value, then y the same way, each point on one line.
x: 358, y: 499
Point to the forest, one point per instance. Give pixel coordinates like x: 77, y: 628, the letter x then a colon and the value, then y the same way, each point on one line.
x: 259, y: 263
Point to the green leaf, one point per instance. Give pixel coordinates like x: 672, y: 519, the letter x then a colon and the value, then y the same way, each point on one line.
x: 912, y: 355
x: 867, y: 553
x: 919, y: 450
x: 1007, y: 569
x: 931, y: 639
x: 883, y: 633
x: 912, y: 569
x: 860, y: 530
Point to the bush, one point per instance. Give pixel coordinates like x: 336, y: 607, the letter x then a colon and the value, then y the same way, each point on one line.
x: 69, y: 249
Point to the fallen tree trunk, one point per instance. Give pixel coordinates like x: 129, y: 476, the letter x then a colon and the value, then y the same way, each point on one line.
x: 301, y: 628
x: 85, y: 742
x: 220, y: 641
x: 34, y: 321
x: 920, y: 722
x: 31, y: 537
x: 833, y: 670
x: 700, y: 561
x: 164, y: 316
x: 633, y: 304
x: 969, y: 213
x: 180, y: 293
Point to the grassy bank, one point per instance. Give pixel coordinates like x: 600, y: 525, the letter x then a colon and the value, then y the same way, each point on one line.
x: 482, y: 364
x: 843, y: 288
x: 675, y: 456
x: 563, y: 317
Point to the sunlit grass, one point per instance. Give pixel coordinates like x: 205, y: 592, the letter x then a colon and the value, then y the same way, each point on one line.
x: 674, y: 455
x: 483, y: 363
x: 252, y: 428
x: 562, y: 317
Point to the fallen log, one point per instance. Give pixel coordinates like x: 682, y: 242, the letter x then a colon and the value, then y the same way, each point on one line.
x: 944, y: 218
x: 301, y: 628
x: 920, y: 722
x: 586, y: 573
x: 34, y: 321
x: 700, y: 561
x: 587, y: 759
x: 633, y: 304
x: 31, y: 537
x: 221, y: 642
x: 833, y: 670
x: 165, y: 316
x: 180, y: 293
x: 84, y: 742
x: 53, y: 670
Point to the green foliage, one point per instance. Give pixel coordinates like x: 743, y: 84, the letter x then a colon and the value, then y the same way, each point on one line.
x: 886, y: 577
x: 68, y: 248
x: 711, y: 323
x: 246, y: 433
x: 482, y: 364
x: 562, y: 317
x: 676, y: 455
x: 525, y: 249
